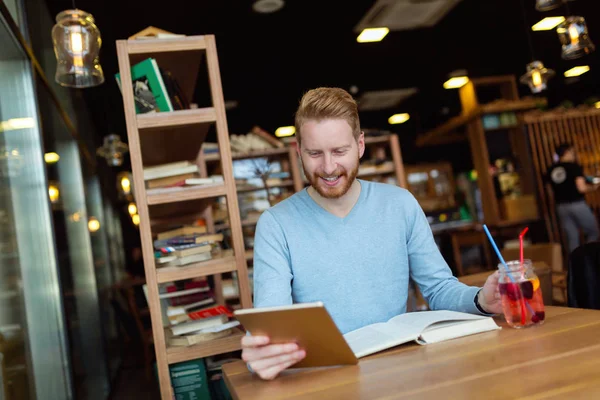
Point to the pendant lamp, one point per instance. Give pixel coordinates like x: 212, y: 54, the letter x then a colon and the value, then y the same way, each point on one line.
x: 575, y: 39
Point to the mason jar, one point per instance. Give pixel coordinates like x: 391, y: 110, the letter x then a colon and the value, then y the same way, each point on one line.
x: 521, y: 294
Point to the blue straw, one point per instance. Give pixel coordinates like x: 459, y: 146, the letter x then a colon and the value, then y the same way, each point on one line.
x: 491, y: 239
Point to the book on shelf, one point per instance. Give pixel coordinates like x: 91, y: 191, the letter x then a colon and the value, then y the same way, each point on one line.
x: 187, y: 251
x: 167, y: 181
x: 185, y: 292
x: 182, y: 231
x: 272, y: 140
x: 188, y: 239
x: 178, y: 98
x: 179, y: 315
x: 205, y: 302
x: 210, y: 148
x: 196, y: 325
x: 327, y: 346
x: 203, y: 335
x: 149, y: 91
x: 169, y: 170
x: 186, y: 260
x: 211, y: 180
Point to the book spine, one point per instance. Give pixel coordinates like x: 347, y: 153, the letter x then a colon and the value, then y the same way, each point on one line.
x: 211, y: 312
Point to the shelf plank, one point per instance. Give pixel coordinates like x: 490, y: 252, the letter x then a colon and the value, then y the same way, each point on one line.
x: 226, y: 344
x: 377, y: 139
x: 250, y: 154
x: 217, y: 265
x: 147, y: 46
x: 381, y: 171
x: 513, y: 105
x: 251, y: 188
x: 176, y: 118
x: 176, y: 194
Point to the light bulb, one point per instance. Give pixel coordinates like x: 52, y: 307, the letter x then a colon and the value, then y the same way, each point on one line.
x: 136, y: 219
x: 132, y: 209
x: 53, y: 193
x: 126, y: 185
x: 574, y: 33
x: 76, y: 42
x: 93, y: 224
x: 536, y: 78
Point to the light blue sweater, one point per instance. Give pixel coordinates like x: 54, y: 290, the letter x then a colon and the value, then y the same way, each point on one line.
x: 359, y: 265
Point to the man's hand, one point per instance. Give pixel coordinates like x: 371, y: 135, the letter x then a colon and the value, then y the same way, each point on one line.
x: 489, y: 296
x: 268, y: 360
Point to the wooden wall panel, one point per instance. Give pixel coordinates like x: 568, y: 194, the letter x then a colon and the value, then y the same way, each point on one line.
x: 546, y: 132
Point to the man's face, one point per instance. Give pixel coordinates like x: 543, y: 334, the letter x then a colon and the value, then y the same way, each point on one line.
x: 570, y: 155
x: 330, y: 156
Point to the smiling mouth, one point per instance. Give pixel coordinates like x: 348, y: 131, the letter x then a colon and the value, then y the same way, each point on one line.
x: 332, y: 180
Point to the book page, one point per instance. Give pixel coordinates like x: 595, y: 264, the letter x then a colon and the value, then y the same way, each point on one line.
x: 376, y: 337
x: 418, y: 321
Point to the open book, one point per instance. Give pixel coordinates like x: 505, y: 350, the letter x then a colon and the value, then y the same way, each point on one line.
x: 311, y: 326
x: 423, y: 327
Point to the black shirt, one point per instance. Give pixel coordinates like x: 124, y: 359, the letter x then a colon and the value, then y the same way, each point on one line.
x: 562, y: 177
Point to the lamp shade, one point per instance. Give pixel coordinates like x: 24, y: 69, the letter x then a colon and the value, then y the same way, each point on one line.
x: 547, y: 5
x: 537, y: 76
x: 77, y: 42
x: 575, y: 39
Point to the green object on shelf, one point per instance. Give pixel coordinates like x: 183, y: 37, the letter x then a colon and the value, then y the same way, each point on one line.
x: 464, y: 213
x: 189, y: 380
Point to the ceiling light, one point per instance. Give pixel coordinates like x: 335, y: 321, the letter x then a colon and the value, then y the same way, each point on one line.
x: 77, y: 42
x: 597, y: 104
x: 547, y: 23
x: 577, y: 71
x: 456, y: 82
x: 574, y: 37
x: 537, y: 76
x: 372, y: 35
x: 267, y: 6
x: 547, y: 5
x: 51, y: 158
x: 399, y: 118
x: 285, y: 131
x: 113, y: 150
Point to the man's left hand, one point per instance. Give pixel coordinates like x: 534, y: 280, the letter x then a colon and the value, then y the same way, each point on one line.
x: 489, y: 296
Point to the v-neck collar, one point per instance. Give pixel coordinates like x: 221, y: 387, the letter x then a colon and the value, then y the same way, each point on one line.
x: 322, y: 211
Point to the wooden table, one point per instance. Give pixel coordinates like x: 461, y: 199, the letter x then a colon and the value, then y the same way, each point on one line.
x: 560, y: 359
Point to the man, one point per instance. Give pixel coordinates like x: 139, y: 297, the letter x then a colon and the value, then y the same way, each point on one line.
x: 569, y: 186
x: 349, y: 243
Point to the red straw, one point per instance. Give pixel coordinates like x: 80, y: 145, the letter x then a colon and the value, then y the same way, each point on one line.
x: 523, y: 232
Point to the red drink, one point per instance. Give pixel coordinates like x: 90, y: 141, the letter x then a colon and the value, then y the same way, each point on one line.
x: 521, y: 295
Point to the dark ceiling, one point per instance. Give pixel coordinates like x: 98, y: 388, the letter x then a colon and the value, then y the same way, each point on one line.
x: 267, y: 61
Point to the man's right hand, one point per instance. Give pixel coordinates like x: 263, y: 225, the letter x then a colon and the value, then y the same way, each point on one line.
x: 268, y: 360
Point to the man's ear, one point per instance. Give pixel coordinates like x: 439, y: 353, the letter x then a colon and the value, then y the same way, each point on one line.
x: 361, y: 144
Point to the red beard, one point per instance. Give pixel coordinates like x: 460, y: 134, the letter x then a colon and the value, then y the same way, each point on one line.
x: 336, y: 191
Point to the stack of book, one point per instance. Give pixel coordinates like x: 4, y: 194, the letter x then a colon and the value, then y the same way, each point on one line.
x: 191, y: 314
x: 185, y: 245
x: 176, y: 174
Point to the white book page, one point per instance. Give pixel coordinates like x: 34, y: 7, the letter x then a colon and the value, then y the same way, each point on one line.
x: 376, y: 337
x: 418, y: 321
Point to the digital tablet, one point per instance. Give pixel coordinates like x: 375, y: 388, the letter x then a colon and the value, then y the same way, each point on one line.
x: 308, y: 324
